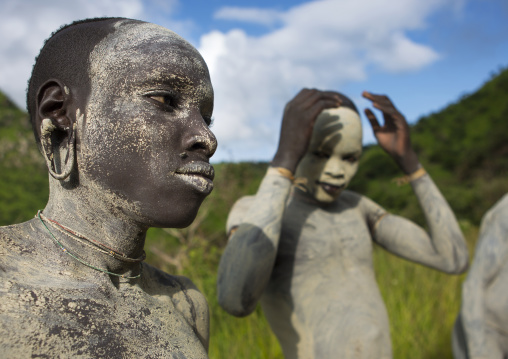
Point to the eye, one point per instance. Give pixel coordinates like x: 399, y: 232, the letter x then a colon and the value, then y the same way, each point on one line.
x: 208, y: 120
x: 166, y: 99
x: 350, y: 158
x: 320, y: 154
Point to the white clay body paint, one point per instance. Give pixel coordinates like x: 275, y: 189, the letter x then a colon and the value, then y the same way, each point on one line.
x: 152, y: 138
x: 334, y: 151
x: 150, y: 100
x: 306, y: 256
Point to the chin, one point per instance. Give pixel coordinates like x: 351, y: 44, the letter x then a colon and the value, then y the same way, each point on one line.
x: 326, y: 198
x: 178, y: 216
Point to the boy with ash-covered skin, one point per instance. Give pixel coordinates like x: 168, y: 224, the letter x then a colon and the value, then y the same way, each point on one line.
x: 481, y: 329
x: 305, y: 251
x: 121, y: 111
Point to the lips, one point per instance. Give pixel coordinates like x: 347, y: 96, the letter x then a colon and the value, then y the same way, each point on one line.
x: 331, y: 189
x: 199, y: 175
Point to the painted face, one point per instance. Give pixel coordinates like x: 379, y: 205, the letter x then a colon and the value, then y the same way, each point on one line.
x: 145, y: 143
x: 334, y: 151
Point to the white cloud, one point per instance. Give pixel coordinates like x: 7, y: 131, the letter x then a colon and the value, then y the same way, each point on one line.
x: 265, y: 17
x: 26, y: 24
x: 323, y: 44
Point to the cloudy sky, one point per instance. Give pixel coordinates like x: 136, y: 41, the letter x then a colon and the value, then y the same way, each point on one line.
x: 424, y: 54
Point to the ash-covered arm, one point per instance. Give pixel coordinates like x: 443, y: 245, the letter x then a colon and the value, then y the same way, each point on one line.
x: 490, y: 256
x: 246, y: 264
x: 443, y: 248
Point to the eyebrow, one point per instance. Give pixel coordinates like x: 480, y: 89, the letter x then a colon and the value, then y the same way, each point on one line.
x: 175, y: 81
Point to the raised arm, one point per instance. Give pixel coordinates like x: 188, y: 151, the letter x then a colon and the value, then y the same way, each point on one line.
x: 443, y: 248
x: 246, y: 265
x: 490, y: 257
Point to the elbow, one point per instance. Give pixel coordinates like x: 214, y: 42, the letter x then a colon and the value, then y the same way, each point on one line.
x: 459, y: 268
x: 234, y: 306
x: 461, y: 260
x: 464, y: 266
x: 459, y: 263
x: 234, y: 302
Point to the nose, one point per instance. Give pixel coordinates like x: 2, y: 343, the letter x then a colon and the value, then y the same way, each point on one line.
x: 202, y: 141
x: 334, y: 168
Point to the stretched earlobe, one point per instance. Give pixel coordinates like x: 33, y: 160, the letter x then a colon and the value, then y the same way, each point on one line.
x: 57, y: 129
x: 47, y: 129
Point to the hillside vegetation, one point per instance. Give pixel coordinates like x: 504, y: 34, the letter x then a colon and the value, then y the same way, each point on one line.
x: 464, y: 147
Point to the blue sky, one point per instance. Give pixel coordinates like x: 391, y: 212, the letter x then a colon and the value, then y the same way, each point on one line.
x: 423, y: 54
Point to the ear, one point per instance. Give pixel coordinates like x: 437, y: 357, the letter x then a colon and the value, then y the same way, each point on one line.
x: 53, y: 100
x: 55, y: 128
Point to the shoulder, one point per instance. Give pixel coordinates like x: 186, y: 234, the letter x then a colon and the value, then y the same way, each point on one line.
x: 18, y: 239
x: 370, y: 210
x: 238, y: 212
x: 181, y: 289
x: 365, y: 204
x: 497, y: 216
x: 500, y: 208
x: 185, y: 296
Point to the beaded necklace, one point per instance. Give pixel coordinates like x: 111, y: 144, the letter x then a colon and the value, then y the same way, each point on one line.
x: 111, y: 252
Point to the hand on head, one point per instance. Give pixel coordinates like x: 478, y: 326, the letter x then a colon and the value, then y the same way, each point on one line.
x: 393, y: 136
x: 298, y: 121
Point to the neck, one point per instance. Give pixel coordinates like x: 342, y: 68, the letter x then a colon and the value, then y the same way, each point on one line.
x: 92, y: 216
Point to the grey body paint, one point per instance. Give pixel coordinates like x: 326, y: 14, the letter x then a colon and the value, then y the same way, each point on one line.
x: 481, y: 328
x: 320, y: 297
x: 52, y: 306
x: 127, y: 154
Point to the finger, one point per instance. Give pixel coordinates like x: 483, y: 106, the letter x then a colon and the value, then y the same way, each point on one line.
x: 318, y: 96
x: 381, y: 99
x: 390, y: 113
x: 384, y: 108
x: 321, y: 105
x: 367, y: 95
x: 372, y: 119
x: 296, y: 102
x: 305, y: 93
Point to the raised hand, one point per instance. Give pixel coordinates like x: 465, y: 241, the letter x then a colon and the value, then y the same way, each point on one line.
x: 393, y: 136
x: 297, y: 123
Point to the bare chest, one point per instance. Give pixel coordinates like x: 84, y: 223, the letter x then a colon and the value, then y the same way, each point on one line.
x: 81, y: 321
x: 319, y: 234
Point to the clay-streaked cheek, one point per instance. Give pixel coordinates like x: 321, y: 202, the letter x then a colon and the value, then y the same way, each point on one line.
x: 310, y: 168
x: 350, y: 172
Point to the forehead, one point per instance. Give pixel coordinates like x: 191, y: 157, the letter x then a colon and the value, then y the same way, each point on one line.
x: 338, y: 126
x: 144, y: 51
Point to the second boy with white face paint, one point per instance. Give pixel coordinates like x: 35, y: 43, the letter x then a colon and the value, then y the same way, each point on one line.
x: 306, y: 251
x: 334, y: 151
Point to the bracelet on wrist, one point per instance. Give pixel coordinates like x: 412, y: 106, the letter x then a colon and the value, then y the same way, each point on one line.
x: 420, y: 172
x: 281, y: 171
x: 299, y: 182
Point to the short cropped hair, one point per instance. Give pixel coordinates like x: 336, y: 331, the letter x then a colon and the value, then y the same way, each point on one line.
x: 65, y: 57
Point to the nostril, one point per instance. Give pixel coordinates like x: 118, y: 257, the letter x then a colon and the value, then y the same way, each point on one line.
x: 203, y: 145
x: 198, y: 146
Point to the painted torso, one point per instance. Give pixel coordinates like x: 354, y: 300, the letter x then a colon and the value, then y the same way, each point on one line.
x: 49, y: 309
x: 322, y: 299
x: 496, y: 294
